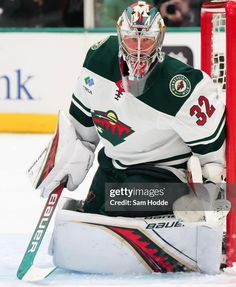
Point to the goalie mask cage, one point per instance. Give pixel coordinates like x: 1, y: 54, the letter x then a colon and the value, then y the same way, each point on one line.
x: 218, y: 59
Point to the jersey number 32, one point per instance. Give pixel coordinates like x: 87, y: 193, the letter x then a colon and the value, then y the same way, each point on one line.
x: 202, y: 111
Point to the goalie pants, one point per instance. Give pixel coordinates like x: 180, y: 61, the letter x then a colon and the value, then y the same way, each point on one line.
x: 140, y: 174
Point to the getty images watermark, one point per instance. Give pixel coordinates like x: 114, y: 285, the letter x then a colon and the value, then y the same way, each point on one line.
x: 137, y: 196
x: 159, y: 197
x: 142, y: 196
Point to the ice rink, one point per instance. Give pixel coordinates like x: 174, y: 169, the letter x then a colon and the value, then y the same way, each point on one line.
x: 21, y: 207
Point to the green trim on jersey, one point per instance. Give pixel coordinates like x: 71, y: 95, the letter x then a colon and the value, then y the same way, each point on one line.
x: 104, y: 60
x: 210, y: 137
x: 80, y: 116
x: 174, y: 158
x: 211, y: 147
x: 169, y: 159
x: 164, y: 94
x: 82, y: 105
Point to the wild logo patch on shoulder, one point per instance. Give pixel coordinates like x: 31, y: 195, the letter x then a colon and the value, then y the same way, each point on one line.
x: 180, y: 86
x: 99, y: 43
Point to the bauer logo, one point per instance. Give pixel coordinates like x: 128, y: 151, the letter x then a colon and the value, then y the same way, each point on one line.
x: 42, y: 225
x: 16, y: 86
x: 180, y: 86
x: 166, y: 224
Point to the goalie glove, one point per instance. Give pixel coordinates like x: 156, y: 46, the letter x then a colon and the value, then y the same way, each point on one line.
x: 207, y: 201
x: 65, y: 156
x: 214, y: 175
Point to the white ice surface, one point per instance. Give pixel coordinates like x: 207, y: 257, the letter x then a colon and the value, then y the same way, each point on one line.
x: 20, y: 209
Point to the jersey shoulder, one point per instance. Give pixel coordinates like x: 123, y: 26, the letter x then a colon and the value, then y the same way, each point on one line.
x: 174, y: 82
x: 102, y: 58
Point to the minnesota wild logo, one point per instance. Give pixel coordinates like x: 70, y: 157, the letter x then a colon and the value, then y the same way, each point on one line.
x: 110, y: 128
x: 180, y: 86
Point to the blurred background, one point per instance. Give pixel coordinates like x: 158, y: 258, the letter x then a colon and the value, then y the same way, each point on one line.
x: 101, y: 13
x: 43, y: 44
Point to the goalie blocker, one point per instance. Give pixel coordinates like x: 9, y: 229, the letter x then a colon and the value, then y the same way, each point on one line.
x: 65, y: 156
x: 118, y: 245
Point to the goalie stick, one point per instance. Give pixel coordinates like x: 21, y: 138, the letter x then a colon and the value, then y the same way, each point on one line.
x: 39, y: 173
x: 27, y: 271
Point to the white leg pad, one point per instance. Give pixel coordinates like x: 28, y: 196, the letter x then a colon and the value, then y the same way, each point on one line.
x: 209, y: 249
x: 118, y: 245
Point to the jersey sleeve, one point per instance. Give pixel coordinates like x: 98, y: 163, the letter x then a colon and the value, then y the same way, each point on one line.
x: 201, y: 123
x: 80, y: 114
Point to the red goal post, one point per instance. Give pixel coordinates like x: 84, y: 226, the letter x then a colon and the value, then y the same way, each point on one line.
x: 218, y: 59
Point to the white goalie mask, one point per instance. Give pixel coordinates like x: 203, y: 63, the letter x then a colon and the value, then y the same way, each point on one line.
x: 141, y: 31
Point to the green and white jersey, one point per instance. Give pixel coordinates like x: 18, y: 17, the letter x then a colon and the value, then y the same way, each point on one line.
x: 178, y: 115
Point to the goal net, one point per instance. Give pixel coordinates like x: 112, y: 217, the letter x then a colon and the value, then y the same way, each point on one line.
x: 218, y: 49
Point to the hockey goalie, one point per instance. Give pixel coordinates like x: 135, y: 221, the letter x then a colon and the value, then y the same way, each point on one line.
x: 162, y: 127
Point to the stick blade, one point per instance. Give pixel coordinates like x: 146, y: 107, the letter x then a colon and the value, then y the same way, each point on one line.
x: 36, y: 273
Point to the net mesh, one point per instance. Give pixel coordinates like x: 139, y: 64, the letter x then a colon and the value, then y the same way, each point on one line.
x: 219, y: 52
